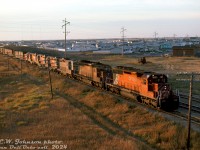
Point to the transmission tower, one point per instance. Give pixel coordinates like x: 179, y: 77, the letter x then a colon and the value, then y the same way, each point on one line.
x: 174, y: 35
x: 122, y: 32
x: 65, y: 24
x: 155, y: 34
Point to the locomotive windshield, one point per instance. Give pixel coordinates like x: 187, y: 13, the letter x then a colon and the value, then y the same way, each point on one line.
x: 157, y: 79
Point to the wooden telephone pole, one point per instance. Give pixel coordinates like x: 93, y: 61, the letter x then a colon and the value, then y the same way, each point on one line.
x: 189, y: 111
x: 191, y: 78
x: 50, y: 84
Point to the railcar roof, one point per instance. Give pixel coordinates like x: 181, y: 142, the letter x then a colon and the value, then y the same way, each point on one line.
x: 130, y: 69
x: 91, y: 63
x: 142, y: 73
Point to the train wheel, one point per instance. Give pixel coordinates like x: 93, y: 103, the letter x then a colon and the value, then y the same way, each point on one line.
x: 159, y: 103
x: 139, y: 98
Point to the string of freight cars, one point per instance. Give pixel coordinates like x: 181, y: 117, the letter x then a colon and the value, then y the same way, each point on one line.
x: 145, y: 87
x: 178, y: 114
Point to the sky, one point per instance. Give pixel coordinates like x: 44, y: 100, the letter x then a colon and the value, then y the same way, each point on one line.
x: 43, y: 19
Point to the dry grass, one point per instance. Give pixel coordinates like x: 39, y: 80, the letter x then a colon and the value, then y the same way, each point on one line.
x: 27, y: 107
x: 157, y: 64
x: 155, y: 129
x: 27, y: 112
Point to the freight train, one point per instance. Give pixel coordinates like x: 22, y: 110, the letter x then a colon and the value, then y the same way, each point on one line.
x: 146, y: 87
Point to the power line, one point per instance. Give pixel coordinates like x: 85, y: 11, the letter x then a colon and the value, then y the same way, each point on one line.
x: 66, y: 32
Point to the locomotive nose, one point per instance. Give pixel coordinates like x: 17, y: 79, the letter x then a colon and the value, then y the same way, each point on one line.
x: 164, y: 92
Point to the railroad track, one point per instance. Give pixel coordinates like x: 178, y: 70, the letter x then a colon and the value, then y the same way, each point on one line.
x: 185, y: 105
x: 194, y: 97
x: 185, y: 117
x: 177, y: 114
x: 131, y: 101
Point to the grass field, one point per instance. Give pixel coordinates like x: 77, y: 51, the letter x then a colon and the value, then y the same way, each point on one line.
x: 83, y: 117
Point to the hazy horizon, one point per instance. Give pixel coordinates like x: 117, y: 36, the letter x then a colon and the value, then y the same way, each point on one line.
x: 42, y: 19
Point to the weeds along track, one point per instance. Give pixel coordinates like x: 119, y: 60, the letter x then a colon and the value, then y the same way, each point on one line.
x: 39, y: 76
x: 177, y: 114
x: 27, y: 68
x: 102, y: 121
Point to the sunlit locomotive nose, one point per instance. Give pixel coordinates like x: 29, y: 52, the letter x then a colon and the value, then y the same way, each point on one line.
x: 148, y: 87
x: 164, y: 92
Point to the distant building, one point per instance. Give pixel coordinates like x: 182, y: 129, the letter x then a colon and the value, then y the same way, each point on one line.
x: 188, y: 50
x: 166, y: 46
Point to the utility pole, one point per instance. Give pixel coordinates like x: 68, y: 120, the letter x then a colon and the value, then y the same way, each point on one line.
x: 21, y: 68
x: 191, y: 78
x: 50, y: 84
x: 189, y: 111
x: 122, y: 32
x: 174, y: 39
x: 155, y: 34
x: 174, y: 36
x: 49, y: 71
x: 65, y: 24
x: 8, y: 63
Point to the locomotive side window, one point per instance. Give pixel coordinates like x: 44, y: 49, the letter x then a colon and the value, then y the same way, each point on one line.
x: 155, y: 94
x: 158, y: 79
x: 70, y: 65
x: 144, y: 81
x: 98, y: 73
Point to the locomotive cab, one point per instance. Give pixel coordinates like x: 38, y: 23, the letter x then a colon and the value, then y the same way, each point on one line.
x: 157, y: 83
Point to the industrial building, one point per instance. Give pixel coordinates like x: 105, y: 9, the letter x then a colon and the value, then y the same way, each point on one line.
x: 188, y: 50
